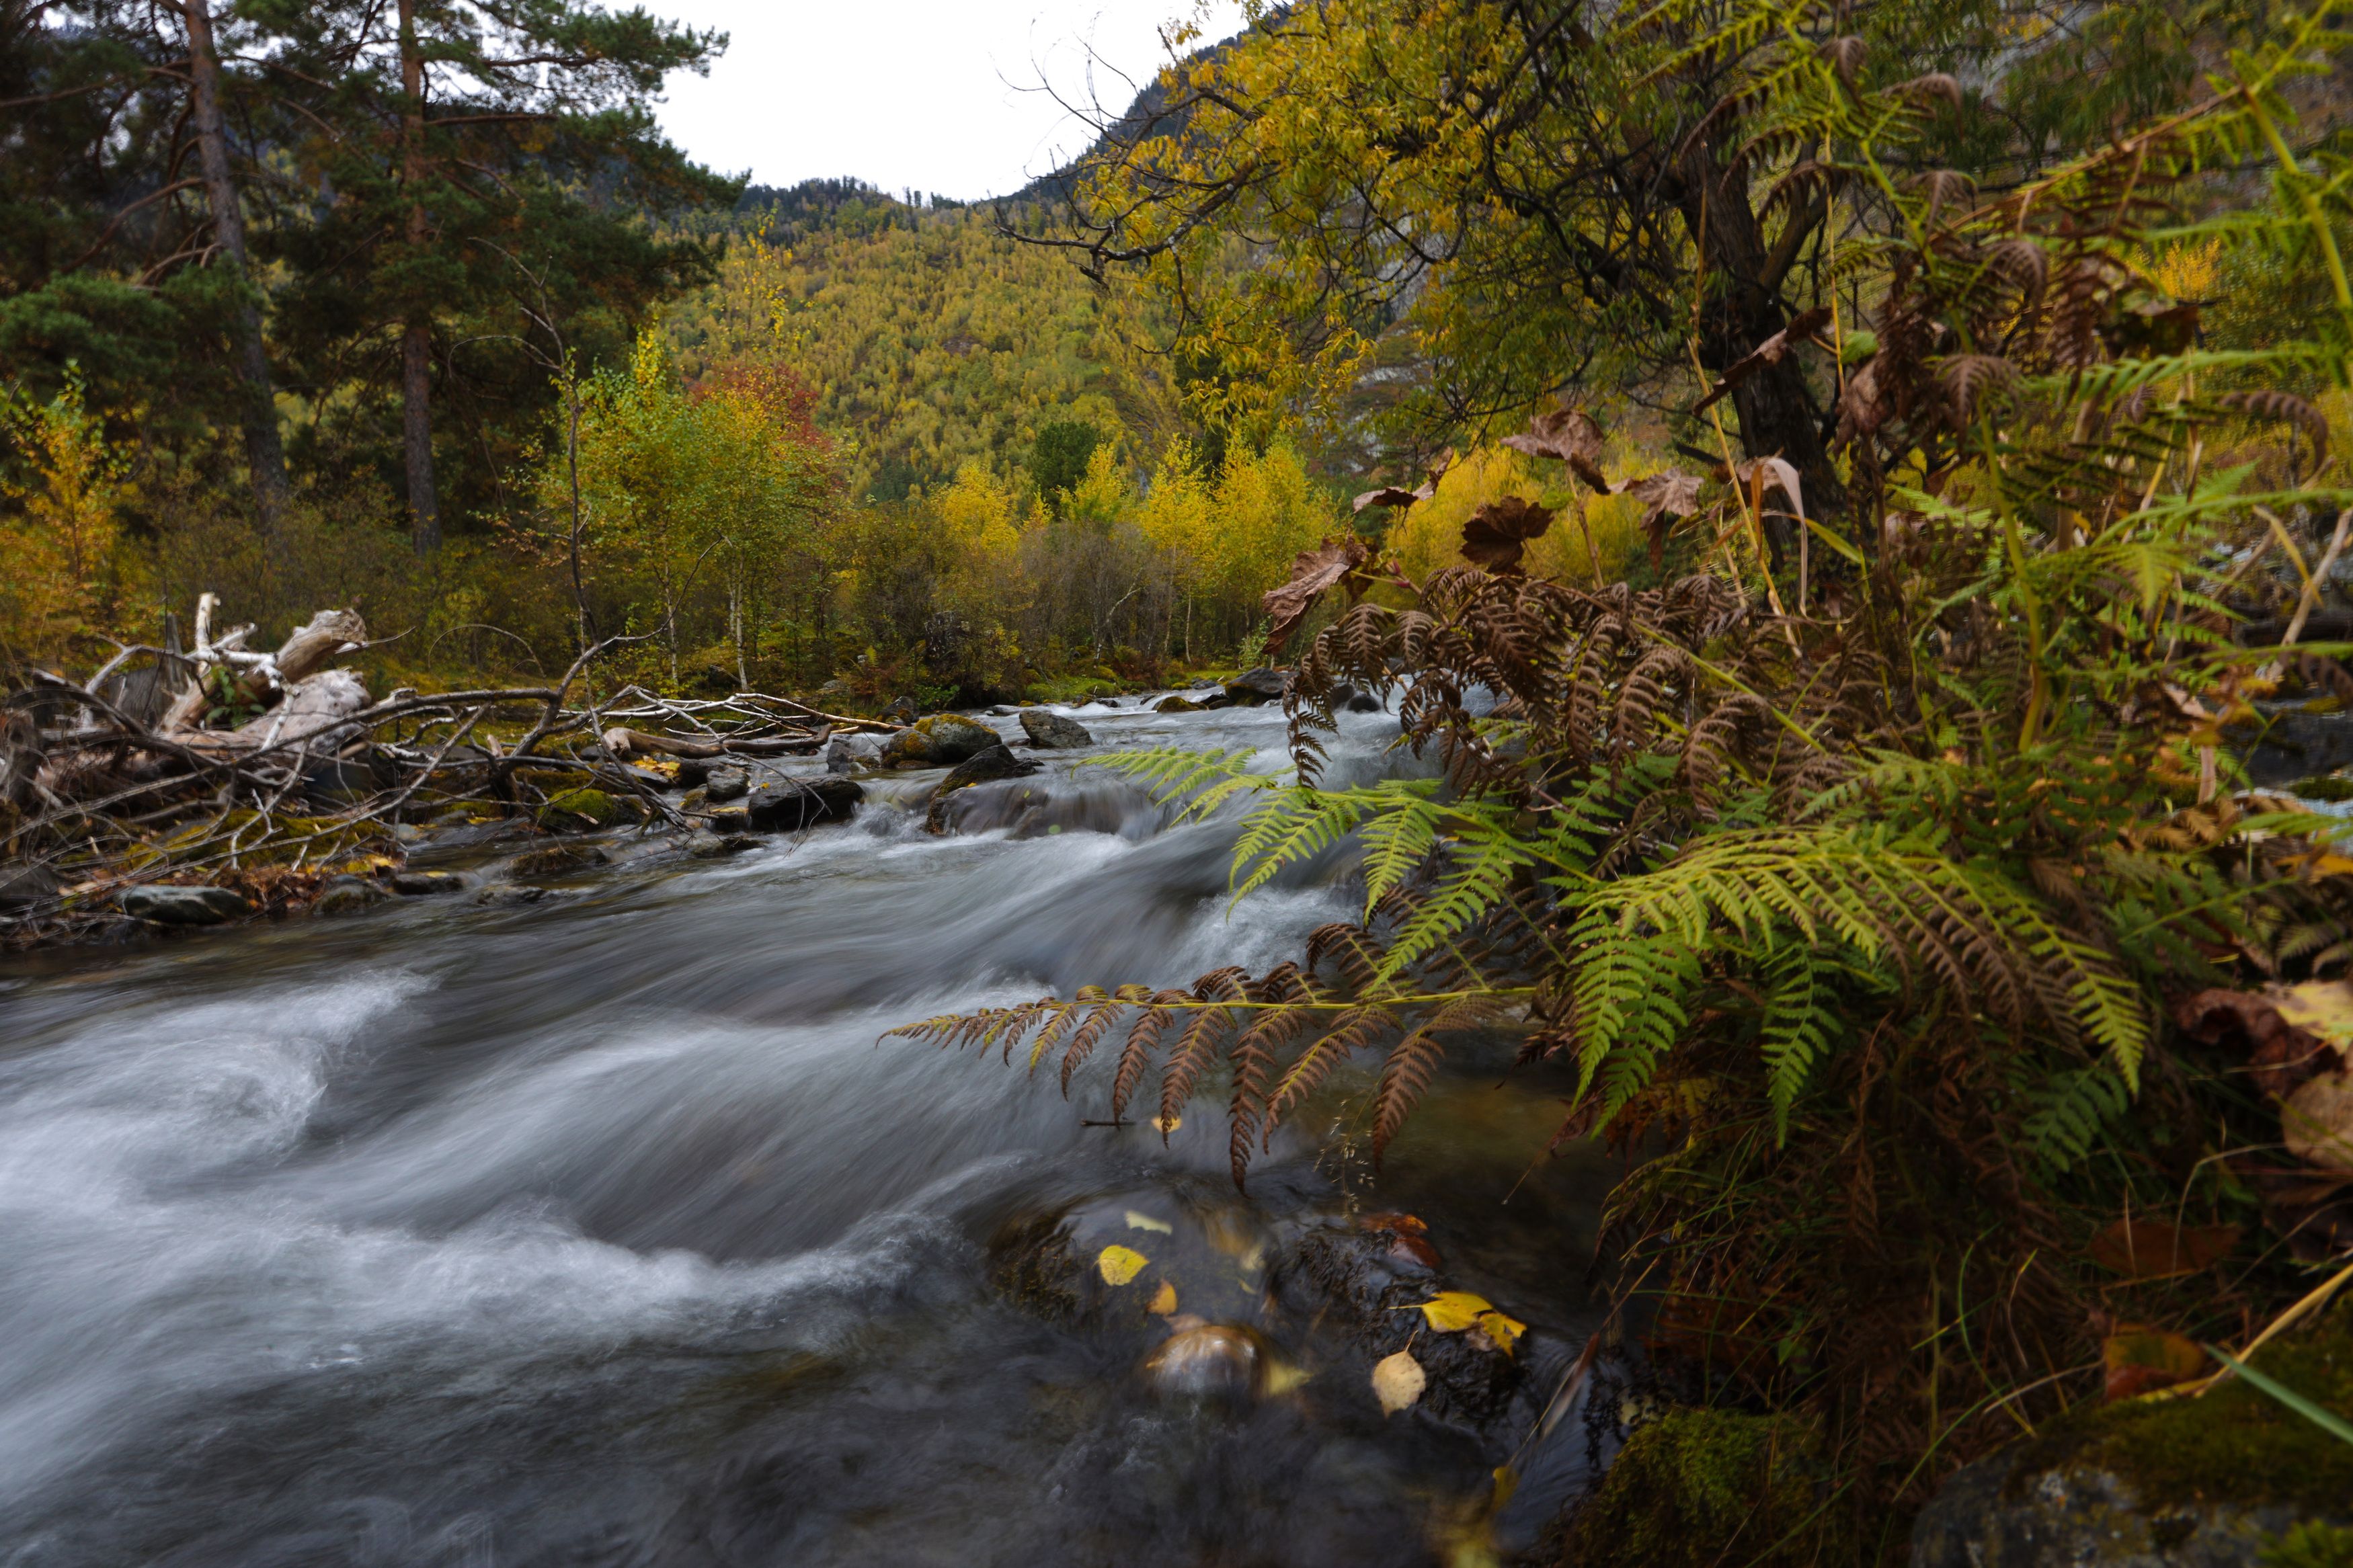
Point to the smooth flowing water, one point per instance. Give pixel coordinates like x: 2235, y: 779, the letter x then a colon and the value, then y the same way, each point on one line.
x: 608, y: 1230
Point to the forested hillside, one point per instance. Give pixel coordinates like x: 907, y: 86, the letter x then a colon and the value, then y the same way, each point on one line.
x: 932, y: 339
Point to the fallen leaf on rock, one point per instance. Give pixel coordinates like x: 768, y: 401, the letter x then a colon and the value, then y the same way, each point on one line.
x: 1119, y: 1265
x: 2151, y: 1249
x: 2318, y: 1122
x: 1398, y: 1382
x: 1164, y: 1125
x: 1503, y: 1331
x: 1138, y: 1221
x: 2321, y: 1008
x: 1451, y: 1311
x: 1405, y: 1247
x: 1164, y: 1304
x: 2140, y: 1359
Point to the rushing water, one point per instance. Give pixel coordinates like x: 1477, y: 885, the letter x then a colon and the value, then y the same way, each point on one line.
x: 605, y: 1231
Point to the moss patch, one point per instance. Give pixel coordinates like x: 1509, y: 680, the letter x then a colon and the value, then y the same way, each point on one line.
x: 2235, y: 1445
x: 1703, y: 1488
x: 594, y: 804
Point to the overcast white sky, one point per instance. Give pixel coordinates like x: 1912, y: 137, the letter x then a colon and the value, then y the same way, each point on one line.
x: 932, y: 95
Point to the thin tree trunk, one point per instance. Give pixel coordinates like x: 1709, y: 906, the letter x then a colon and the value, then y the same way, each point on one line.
x: 263, y: 455
x: 417, y: 335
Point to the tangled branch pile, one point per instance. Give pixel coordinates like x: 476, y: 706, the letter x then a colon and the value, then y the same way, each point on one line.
x: 266, y: 774
x: 1862, y: 920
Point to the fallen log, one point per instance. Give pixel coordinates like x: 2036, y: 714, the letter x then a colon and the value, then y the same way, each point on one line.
x: 624, y: 742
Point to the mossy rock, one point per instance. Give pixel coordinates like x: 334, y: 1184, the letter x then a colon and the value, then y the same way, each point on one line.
x: 576, y: 805
x: 1704, y: 1488
x: 2213, y: 1479
x: 2330, y: 787
x: 943, y: 739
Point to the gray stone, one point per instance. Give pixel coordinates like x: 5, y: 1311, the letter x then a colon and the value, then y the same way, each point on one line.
x: 1985, y: 1516
x: 718, y: 846
x: 1051, y: 731
x: 421, y: 884
x: 726, y: 784
x: 1253, y: 686
x: 693, y: 773
x: 347, y: 896
x: 183, y: 906
x: 785, y: 806
x: 727, y: 819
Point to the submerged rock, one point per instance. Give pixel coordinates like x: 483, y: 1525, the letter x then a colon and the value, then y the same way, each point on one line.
x: 943, y: 739
x: 998, y: 763
x: 556, y: 859
x: 1206, y: 1361
x: 422, y: 884
x: 786, y: 805
x: 505, y: 895
x: 184, y: 906
x: 1051, y: 731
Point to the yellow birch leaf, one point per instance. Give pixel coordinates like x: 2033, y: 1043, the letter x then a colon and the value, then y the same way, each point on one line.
x: 1163, y: 1125
x: 1502, y: 1328
x: 1284, y: 1376
x: 1166, y: 1302
x: 1398, y: 1382
x: 1119, y: 1265
x: 1451, y: 1311
x: 1136, y: 1221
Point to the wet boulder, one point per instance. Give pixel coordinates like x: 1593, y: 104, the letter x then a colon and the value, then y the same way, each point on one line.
x: 508, y: 895
x: 1253, y: 686
x: 941, y: 741
x: 1361, y: 1279
x: 998, y: 763
x: 1051, y: 731
x: 726, y: 784
x: 425, y: 884
x: 787, y: 805
x: 847, y: 754
x: 183, y: 906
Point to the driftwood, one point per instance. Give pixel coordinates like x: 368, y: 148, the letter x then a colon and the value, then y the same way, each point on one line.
x: 136, y: 774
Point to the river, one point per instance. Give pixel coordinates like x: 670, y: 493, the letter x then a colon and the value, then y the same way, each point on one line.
x: 609, y: 1230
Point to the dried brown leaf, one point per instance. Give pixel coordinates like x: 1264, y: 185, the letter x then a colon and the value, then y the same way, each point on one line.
x: 1496, y: 534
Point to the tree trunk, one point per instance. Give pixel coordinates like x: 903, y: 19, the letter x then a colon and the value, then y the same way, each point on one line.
x: 417, y: 335
x: 263, y: 455
x: 1777, y: 415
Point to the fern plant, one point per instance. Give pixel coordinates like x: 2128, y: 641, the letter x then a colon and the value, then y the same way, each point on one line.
x: 1862, y: 920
